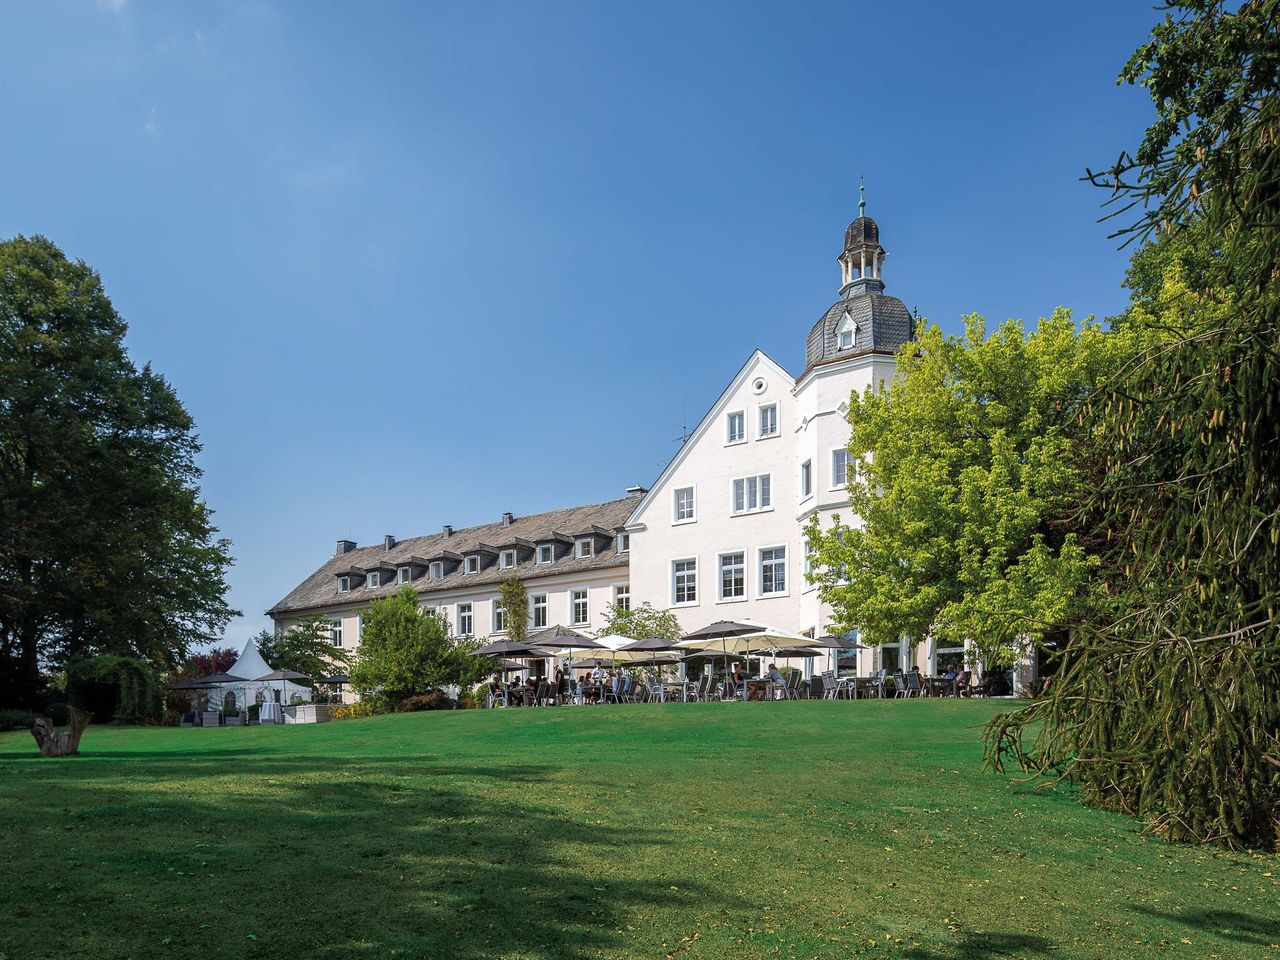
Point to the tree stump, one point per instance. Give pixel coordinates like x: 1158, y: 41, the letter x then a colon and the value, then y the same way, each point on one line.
x: 54, y: 743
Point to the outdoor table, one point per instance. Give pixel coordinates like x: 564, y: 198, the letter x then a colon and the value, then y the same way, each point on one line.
x: 870, y: 687
x: 942, y: 687
x: 269, y: 712
x: 758, y: 688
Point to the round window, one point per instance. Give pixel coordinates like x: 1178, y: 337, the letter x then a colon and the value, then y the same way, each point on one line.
x: 759, y: 385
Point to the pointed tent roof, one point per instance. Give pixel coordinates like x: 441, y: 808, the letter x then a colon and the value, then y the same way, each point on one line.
x: 250, y: 665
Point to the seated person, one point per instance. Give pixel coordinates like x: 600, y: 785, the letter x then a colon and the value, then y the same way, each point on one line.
x: 515, y: 692
x: 495, y: 690
x: 740, y: 680
x: 776, y: 680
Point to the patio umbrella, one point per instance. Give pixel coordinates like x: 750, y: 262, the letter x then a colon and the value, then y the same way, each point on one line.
x: 650, y: 644
x: 501, y: 648
x: 562, y: 638
x: 282, y: 676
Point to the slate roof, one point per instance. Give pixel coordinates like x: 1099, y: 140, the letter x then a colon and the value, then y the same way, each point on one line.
x: 884, y: 324
x: 320, y: 590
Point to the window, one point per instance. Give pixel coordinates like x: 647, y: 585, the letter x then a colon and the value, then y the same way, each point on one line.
x: 624, y: 543
x: 335, y: 632
x: 753, y: 493
x: 684, y: 575
x: 737, y: 427
x: 437, y: 570
x: 622, y: 596
x: 684, y: 504
x: 733, y: 576
x: 839, y: 468
x: 499, y: 617
x: 769, y: 420
x: 473, y: 565
x: 506, y: 559
x: 586, y: 547
x: 546, y: 553
x: 538, y: 603
x: 773, y: 571
x: 465, y: 623
x: 373, y: 580
x: 846, y: 338
x: 809, y: 552
x: 344, y: 584
x: 806, y: 479
x: 890, y: 657
x: 405, y: 574
x: 579, y: 607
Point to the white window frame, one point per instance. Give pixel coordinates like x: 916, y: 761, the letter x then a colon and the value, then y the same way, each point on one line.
x: 373, y: 579
x: 576, y: 597
x: 845, y: 482
x: 720, y: 558
x: 344, y: 584
x: 537, y: 604
x: 335, y: 631
x: 470, y: 565
x: 675, y: 574
x: 404, y: 574
x: 777, y: 421
x: 621, y: 592
x: 468, y: 611
x: 584, y: 548
x: 693, y: 505
x: 810, y: 552
x: 499, y: 616
x: 550, y: 549
x: 848, y: 328
x: 437, y: 570
x: 763, y: 486
x: 806, y: 480
x: 786, y: 573
x: 507, y: 560
x: 741, y: 417
x: 624, y: 542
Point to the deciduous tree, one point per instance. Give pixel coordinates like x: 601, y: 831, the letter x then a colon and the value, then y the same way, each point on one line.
x: 105, y: 544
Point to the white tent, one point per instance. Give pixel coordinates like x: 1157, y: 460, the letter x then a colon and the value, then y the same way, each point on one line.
x: 250, y: 665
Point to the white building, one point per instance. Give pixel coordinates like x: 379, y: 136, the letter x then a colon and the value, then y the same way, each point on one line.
x: 719, y: 536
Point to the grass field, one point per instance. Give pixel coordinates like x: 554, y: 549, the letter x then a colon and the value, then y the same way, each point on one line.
x: 824, y: 829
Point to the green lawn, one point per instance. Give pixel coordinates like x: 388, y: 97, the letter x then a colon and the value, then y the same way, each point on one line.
x: 818, y: 829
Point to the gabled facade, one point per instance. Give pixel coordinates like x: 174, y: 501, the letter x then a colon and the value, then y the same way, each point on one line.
x: 719, y: 536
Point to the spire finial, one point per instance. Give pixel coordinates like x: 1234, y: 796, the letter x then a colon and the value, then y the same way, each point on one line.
x: 862, y: 197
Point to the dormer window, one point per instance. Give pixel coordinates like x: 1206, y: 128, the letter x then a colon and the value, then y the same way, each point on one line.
x: 624, y: 543
x: 373, y: 580
x: 344, y: 584
x: 848, y: 327
x: 585, y: 548
x: 506, y: 559
x: 546, y: 553
x: 472, y: 565
x: 404, y: 574
x: 437, y: 570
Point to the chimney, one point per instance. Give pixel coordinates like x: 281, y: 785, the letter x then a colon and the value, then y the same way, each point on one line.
x: 345, y: 546
x: 508, y: 519
x: 388, y: 542
x: 448, y: 530
x: 633, y: 491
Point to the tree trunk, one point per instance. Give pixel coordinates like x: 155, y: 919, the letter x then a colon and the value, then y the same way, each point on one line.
x: 54, y: 743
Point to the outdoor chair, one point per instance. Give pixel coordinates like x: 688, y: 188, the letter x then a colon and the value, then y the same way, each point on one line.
x: 708, y: 684
x: 899, y: 685
x: 795, y: 688
x: 607, y: 693
x: 817, y: 688
x: 188, y: 720
x: 914, y: 687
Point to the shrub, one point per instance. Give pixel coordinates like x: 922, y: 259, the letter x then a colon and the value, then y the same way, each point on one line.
x: 114, y: 689
x: 16, y: 719
x: 349, y: 711
x: 434, y: 700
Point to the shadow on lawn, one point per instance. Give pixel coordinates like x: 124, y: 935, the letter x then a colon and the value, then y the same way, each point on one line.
x: 332, y: 857
x: 981, y: 946
x: 1228, y: 924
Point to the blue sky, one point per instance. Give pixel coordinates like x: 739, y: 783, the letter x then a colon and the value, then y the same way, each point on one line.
x: 410, y: 264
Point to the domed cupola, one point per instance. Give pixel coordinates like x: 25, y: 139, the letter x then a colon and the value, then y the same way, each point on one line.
x: 863, y: 320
